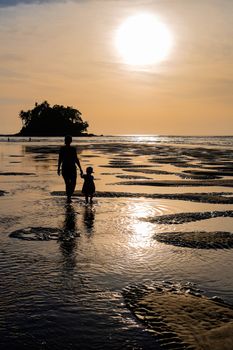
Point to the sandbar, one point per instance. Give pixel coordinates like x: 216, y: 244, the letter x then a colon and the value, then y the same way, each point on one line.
x: 181, y: 318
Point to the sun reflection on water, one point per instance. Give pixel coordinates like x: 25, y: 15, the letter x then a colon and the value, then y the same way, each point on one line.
x: 141, y: 237
x: 145, y: 138
x: 141, y: 231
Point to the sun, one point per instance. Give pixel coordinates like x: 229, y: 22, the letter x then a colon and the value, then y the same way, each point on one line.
x: 143, y: 39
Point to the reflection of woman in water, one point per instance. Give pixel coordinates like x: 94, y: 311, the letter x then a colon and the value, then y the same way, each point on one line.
x: 68, y: 160
x: 68, y: 243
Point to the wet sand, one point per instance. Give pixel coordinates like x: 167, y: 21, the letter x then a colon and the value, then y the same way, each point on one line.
x: 197, y: 239
x: 167, y: 183
x: 211, y: 197
x: 181, y: 317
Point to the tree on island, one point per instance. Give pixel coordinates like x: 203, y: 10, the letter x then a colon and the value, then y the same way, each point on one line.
x: 46, y: 120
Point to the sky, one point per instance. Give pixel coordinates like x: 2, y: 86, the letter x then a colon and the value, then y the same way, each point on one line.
x: 65, y: 52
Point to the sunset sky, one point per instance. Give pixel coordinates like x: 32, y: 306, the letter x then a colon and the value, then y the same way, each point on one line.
x: 66, y: 52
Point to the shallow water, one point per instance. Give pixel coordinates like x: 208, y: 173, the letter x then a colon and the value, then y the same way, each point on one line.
x: 64, y: 292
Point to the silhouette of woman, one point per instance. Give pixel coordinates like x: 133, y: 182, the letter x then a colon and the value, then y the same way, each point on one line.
x: 68, y: 160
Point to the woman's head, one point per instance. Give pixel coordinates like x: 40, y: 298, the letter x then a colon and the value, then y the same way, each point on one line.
x: 68, y: 139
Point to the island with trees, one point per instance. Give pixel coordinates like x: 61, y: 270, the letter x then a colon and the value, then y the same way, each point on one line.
x: 57, y: 120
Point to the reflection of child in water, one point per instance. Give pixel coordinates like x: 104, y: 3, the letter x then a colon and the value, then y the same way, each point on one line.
x: 89, y: 186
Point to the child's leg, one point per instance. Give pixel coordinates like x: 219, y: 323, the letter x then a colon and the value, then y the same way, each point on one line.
x: 86, y: 198
x: 91, y: 199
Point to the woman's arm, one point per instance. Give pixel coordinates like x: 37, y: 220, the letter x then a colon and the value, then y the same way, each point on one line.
x: 59, y: 163
x: 79, y: 165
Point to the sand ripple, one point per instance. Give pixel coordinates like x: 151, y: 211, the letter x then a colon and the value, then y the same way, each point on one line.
x: 42, y: 234
x: 10, y: 173
x: 214, y: 197
x: 222, y: 183
x: 197, y: 239
x: 212, y: 173
x: 124, y: 165
x: 181, y: 317
x: 181, y: 218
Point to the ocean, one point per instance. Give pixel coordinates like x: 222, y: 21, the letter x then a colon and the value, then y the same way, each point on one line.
x: 163, y: 211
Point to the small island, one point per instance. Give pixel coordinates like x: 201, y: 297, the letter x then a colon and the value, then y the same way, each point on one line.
x: 57, y: 120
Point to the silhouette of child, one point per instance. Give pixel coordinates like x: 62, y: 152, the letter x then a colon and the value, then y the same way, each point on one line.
x: 88, y: 186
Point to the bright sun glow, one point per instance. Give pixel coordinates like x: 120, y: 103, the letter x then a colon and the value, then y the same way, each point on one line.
x: 143, y: 40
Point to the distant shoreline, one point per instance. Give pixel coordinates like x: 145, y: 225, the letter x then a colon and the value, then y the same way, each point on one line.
x: 17, y: 135
x: 101, y: 135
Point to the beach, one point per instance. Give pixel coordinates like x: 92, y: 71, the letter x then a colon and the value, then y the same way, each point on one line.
x: 153, y: 251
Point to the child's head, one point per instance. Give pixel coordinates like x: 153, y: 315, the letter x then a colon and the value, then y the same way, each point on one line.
x: 89, y: 170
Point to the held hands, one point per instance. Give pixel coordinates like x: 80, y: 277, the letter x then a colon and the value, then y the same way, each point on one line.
x: 59, y: 172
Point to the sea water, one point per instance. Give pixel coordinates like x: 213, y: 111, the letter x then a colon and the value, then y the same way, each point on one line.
x: 63, y: 266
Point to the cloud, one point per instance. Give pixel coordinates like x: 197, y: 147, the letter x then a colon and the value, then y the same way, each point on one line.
x: 9, y: 3
x: 13, y: 101
x: 6, y: 73
x: 218, y: 88
x: 10, y: 57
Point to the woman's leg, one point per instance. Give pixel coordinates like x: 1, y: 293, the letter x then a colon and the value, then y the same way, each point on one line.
x: 67, y: 185
x: 70, y: 182
x: 72, y: 185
